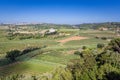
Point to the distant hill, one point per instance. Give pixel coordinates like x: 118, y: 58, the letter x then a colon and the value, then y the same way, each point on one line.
x: 67, y: 26
x: 98, y: 25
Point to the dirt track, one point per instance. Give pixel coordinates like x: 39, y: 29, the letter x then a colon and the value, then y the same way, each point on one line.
x: 72, y: 38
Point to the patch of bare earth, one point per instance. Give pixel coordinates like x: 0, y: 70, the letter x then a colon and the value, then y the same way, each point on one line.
x: 71, y: 52
x: 72, y: 38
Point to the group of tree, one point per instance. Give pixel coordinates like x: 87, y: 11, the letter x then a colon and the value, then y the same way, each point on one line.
x: 13, y: 54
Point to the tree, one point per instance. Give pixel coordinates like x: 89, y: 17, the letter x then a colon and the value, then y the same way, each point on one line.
x: 13, y: 54
x: 115, y: 45
x: 100, y: 45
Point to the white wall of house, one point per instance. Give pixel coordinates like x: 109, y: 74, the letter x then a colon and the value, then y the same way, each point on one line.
x: 52, y: 30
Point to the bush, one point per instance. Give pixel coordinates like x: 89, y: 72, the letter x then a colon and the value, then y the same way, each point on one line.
x: 29, y: 50
x: 77, y: 53
x: 13, y: 54
x: 96, y: 37
x: 84, y: 47
x: 104, y: 38
x: 115, y: 45
x: 100, y: 45
x: 25, y: 37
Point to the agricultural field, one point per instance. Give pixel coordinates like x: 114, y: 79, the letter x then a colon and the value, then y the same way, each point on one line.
x: 59, y: 40
x: 53, y: 52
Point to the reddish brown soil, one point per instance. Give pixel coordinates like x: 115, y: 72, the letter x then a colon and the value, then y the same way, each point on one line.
x: 72, y: 38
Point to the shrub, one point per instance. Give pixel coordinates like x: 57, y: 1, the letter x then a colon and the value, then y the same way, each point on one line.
x: 100, y: 45
x: 104, y: 38
x: 96, y: 37
x: 115, y: 45
x: 25, y: 37
x: 29, y: 49
x: 77, y: 53
x: 13, y: 54
x: 84, y: 47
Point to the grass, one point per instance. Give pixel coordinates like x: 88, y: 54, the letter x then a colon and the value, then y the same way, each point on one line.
x: 57, y: 57
x: 54, y: 55
x: 92, y: 42
x: 21, y: 44
x: 32, y: 66
x: 7, y: 45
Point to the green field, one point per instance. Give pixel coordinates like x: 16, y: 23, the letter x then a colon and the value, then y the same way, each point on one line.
x: 52, y: 56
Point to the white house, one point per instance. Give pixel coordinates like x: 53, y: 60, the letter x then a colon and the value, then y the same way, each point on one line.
x: 52, y: 30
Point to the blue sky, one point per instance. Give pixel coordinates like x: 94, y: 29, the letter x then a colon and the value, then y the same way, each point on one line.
x: 60, y: 11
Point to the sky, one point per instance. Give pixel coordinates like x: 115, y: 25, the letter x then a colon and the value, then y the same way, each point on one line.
x: 59, y: 11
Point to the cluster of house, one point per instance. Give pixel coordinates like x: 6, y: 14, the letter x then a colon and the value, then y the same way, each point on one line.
x: 117, y: 30
x: 24, y: 30
x: 103, y: 29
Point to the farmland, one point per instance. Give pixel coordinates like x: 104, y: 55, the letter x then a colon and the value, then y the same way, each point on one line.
x: 59, y: 40
x: 53, y: 52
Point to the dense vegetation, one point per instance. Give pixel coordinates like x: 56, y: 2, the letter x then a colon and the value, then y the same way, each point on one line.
x: 13, y: 54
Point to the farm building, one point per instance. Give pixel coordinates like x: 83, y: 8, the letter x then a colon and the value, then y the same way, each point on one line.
x: 52, y: 30
x: 103, y: 29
